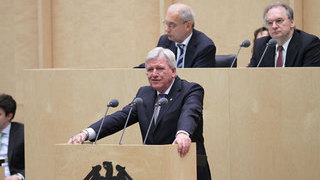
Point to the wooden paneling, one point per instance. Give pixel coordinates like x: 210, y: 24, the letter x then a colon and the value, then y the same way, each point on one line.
x: 99, y: 33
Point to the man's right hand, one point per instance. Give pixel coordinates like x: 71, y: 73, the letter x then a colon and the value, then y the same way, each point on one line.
x: 78, y: 138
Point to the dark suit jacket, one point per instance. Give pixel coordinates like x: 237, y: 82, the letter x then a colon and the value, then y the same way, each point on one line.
x: 303, y: 50
x: 200, y: 51
x: 183, y: 112
x: 16, y: 149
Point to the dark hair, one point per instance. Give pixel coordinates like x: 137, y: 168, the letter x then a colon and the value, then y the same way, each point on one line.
x: 257, y: 31
x: 8, y: 104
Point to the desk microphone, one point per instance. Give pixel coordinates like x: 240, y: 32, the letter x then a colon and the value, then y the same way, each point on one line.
x: 135, y: 102
x: 271, y: 43
x: 161, y: 102
x: 245, y: 44
x: 113, y: 103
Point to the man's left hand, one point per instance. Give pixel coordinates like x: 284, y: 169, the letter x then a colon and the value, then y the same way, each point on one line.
x: 13, y: 177
x: 184, y: 143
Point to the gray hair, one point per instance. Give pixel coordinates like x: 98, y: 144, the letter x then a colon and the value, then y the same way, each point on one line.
x: 160, y: 51
x: 185, y: 12
x: 277, y: 4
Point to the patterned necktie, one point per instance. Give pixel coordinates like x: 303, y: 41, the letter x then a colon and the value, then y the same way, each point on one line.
x: 158, y: 108
x: 162, y: 95
x: 180, y: 60
x: 279, y: 60
x: 1, y: 139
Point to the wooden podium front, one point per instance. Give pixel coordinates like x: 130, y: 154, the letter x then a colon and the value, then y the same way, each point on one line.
x: 87, y: 161
x: 1, y: 172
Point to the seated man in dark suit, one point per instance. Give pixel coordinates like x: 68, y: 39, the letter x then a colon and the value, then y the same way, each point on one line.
x: 179, y: 122
x: 12, y: 139
x: 294, y: 48
x: 192, y: 48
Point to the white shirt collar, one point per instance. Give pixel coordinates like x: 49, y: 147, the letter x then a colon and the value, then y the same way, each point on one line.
x: 168, y: 90
x: 284, y: 52
x: 285, y: 45
x: 7, y: 129
x: 185, y: 42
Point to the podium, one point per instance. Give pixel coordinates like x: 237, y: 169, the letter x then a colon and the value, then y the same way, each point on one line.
x: 89, y: 161
x: 1, y: 172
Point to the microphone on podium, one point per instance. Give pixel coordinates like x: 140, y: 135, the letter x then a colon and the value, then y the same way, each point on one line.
x: 161, y: 102
x: 135, y: 102
x: 113, y: 103
x: 271, y: 43
x: 245, y: 44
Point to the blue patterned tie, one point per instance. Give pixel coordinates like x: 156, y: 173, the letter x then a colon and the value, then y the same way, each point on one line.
x: 162, y: 95
x: 180, y: 60
x: 1, y: 133
x: 158, y: 108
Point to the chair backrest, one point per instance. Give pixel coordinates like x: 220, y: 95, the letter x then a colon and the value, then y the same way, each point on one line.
x: 225, y: 61
x: 142, y: 65
x: 222, y: 61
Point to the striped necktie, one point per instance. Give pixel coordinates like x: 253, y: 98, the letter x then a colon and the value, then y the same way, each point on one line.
x: 181, y: 56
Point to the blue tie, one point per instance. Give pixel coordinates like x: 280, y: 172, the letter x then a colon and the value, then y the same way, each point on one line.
x: 180, y: 60
x: 158, y: 108
x: 1, y: 133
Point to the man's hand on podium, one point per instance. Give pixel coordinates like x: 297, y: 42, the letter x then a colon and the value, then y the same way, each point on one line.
x: 184, y: 142
x: 78, y: 138
x: 13, y: 177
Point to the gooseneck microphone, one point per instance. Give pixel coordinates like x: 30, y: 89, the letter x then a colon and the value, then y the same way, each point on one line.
x: 161, y: 102
x: 271, y: 43
x: 245, y: 44
x: 113, y: 103
x: 135, y: 102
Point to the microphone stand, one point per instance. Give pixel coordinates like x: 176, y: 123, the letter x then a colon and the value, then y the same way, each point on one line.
x: 235, y: 57
x: 151, y: 121
x: 271, y: 42
x: 95, y: 141
x: 125, y: 125
x: 263, y: 55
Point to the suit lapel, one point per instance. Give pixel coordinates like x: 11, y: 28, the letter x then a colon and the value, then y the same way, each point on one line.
x: 270, y: 56
x: 11, y: 141
x: 172, y: 47
x: 292, y: 50
x: 190, y: 51
x: 149, y: 102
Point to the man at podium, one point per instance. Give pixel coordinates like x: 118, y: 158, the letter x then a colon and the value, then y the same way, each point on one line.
x: 180, y: 121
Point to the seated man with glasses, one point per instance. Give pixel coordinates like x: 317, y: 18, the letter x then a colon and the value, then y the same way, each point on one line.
x: 192, y: 48
x: 294, y: 47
